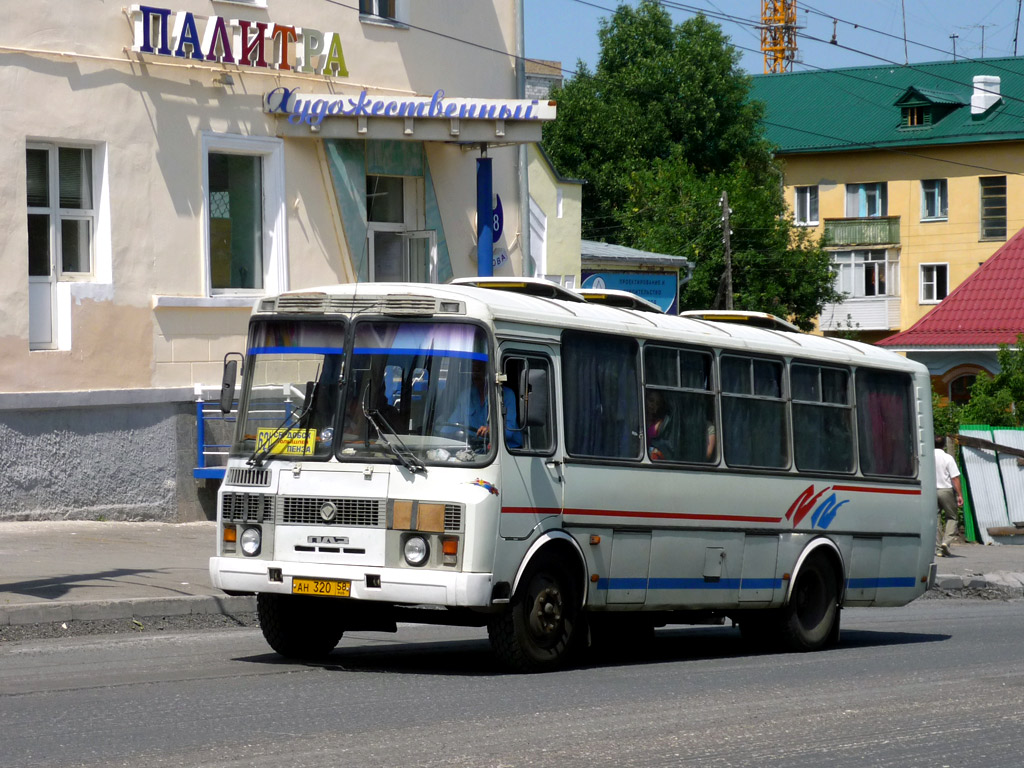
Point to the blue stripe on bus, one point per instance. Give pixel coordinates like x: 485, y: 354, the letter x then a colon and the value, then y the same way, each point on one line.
x: 417, y: 351
x: 892, y: 582
x: 297, y: 351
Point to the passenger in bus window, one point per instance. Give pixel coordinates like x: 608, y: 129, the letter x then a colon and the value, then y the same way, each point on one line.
x: 657, y: 425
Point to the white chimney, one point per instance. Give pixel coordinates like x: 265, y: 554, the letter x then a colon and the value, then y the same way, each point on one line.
x: 986, y: 93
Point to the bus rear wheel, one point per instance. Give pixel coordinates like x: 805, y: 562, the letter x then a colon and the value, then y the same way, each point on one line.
x: 298, y: 627
x: 541, y: 629
x: 809, y: 621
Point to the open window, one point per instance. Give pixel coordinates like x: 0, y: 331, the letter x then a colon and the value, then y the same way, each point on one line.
x: 527, y: 404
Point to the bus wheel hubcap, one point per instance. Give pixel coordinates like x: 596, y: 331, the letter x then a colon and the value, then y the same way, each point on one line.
x: 547, y: 614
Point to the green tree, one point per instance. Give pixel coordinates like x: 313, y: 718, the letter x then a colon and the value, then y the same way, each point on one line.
x: 659, y: 130
x: 999, y: 400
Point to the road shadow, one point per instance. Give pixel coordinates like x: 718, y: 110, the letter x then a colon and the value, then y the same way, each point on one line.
x: 57, y: 587
x: 473, y: 658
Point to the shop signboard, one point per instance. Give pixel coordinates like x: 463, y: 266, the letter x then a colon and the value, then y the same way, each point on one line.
x: 661, y: 288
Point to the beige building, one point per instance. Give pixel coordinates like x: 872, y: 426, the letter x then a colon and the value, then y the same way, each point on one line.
x: 911, y: 175
x: 168, y: 165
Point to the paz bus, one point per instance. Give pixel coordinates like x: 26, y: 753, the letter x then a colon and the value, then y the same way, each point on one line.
x: 564, y: 471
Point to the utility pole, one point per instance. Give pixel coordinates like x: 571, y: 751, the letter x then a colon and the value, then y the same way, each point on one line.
x: 953, y: 37
x: 726, y: 232
x: 1016, y: 29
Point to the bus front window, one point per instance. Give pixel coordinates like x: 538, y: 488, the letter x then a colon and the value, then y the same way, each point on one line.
x: 420, y: 388
x: 291, y: 389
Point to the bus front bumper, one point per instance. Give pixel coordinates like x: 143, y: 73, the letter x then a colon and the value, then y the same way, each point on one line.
x: 396, y: 585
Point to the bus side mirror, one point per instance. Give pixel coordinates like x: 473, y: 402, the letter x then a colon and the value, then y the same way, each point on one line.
x: 533, y: 398
x: 227, y: 386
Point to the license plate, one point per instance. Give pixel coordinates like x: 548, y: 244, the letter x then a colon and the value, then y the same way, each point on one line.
x: 321, y: 587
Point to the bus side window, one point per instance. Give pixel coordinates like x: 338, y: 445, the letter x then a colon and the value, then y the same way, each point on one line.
x: 527, y: 411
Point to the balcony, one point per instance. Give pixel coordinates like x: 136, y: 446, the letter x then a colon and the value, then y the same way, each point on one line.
x: 875, y: 313
x: 843, y: 233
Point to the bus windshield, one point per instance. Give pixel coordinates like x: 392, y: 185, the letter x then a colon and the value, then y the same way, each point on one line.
x: 418, y: 391
x: 292, y: 377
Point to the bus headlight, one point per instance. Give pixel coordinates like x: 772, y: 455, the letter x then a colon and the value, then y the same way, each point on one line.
x: 251, y: 541
x: 416, y: 550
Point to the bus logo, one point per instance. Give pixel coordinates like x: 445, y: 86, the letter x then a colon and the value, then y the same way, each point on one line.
x: 823, y: 514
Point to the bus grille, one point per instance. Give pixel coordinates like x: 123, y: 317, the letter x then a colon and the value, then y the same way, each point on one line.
x: 247, y: 508
x: 305, y: 510
x: 452, y: 517
x: 252, y: 477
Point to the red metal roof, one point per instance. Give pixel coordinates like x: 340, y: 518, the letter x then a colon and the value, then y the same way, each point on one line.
x: 987, y: 309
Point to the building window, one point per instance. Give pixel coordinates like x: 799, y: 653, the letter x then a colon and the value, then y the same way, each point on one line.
x: 960, y: 388
x: 61, y: 213
x: 395, y: 11
x: 993, y: 207
x: 807, y: 205
x: 63, y: 185
x: 867, y: 200
x: 934, y: 283
x: 243, y: 183
x: 400, y: 249
x: 916, y: 117
x: 866, y: 274
x: 934, y: 200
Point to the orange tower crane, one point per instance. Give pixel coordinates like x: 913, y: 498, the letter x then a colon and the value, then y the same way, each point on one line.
x: 778, y: 35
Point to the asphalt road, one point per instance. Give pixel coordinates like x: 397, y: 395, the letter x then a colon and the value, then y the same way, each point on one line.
x: 937, y: 683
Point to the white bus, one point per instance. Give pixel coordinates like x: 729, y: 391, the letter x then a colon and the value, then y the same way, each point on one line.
x: 562, y: 471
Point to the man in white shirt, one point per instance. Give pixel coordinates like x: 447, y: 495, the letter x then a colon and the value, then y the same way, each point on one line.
x: 947, y: 483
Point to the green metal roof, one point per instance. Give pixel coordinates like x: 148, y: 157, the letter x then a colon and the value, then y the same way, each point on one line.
x: 856, y: 108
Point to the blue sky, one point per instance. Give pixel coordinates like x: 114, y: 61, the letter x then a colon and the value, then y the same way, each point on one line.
x: 872, y: 30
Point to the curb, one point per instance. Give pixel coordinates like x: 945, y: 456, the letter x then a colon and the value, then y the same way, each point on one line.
x: 1009, y: 584
x: 140, y: 607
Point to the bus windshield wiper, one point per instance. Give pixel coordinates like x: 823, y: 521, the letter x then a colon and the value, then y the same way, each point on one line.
x: 295, y: 419
x: 407, y: 457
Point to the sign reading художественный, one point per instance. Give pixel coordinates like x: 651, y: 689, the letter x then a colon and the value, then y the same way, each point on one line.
x: 313, y: 108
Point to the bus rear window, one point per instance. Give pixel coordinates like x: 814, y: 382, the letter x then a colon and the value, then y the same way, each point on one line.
x: 885, y: 423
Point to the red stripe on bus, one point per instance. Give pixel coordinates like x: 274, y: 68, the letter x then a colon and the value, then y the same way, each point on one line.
x: 900, y: 491
x: 625, y: 513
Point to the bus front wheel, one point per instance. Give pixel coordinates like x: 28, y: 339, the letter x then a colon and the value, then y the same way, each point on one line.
x: 809, y: 620
x: 541, y: 629
x: 298, y: 627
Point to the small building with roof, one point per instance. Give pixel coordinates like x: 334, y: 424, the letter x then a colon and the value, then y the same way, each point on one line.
x: 909, y: 173
x: 960, y: 337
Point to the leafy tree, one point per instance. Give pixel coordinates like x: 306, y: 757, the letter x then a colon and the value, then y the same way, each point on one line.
x: 659, y: 130
x: 999, y: 400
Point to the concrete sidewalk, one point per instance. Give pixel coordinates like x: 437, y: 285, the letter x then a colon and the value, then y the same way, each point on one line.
x: 77, y: 571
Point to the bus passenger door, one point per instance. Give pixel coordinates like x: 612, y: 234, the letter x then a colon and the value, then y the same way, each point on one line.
x: 531, y: 459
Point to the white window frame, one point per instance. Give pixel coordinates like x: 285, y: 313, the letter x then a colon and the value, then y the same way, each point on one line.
x: 941, y: 194
x: 275, y: 260
x: 850, y: 266
x: 928, y: 282
x: 59, y: 215
x: 66, y: 287
x: 877, y: 191
x: 809, y: 195
x: 412, y: 227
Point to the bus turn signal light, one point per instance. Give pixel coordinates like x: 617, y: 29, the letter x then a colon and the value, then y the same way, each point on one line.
x: 230, y: 533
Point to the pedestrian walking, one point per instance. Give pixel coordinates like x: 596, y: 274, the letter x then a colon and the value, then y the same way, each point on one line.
x: 947, y: 484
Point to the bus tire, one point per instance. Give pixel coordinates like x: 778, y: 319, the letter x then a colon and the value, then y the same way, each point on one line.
x: 810, y: 619
x: 542, y: 627
x: 296, y: 628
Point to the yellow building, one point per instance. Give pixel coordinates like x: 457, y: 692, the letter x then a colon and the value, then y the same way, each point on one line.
x: 909, y: 174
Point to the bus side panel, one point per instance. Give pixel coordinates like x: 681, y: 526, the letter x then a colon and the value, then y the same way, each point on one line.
x: 862, y: 579
x: 897, y: 583
x: 695, y: 568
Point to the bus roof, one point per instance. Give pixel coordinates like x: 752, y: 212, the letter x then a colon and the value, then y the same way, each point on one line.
x: 510, y: 310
